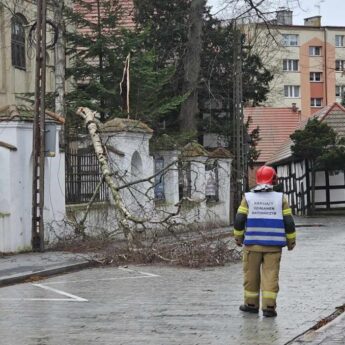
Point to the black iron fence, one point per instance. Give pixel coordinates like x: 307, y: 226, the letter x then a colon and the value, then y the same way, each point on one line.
x: 82, y: 176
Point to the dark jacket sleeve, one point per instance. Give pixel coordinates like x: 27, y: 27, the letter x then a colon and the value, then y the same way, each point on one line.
x: 289, y: 224
x: 240, y: 220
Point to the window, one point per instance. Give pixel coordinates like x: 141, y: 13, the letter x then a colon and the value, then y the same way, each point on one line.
x: 339, y: 90
x: 291, y: 91
x: 159, y: 179
x: 339, y: 40
x: 212, y: 182
x: 290, y: 40
x: 18, y: 41
x: 314, y: 51
x: 290, y: 65
x: 339, y: 65
x: 185, y: 179
x: 316, y: 102
x: 315, y: 76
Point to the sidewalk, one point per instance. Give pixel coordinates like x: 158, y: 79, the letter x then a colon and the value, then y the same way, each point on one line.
x: 17, y: 268
x: 21, y: 267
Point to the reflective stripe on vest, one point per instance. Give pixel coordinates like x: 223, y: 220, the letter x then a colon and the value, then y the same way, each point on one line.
x: 265, y: 225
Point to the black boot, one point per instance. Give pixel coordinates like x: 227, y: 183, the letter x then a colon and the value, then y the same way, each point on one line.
x: 249, y: 309
x: 269, y: 313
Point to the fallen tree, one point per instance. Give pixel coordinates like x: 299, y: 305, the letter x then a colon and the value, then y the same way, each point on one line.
x: 173, y: 235
x: 125, y: 217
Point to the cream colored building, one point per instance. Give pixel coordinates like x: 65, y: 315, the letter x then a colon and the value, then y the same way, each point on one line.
x: 308, y: 62
x: 17, y: 52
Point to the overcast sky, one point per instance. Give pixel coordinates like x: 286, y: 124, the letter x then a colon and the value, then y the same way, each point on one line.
x: 332, y: 11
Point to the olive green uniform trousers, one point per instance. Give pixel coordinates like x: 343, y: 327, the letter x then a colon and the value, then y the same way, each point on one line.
x: 261, y: 273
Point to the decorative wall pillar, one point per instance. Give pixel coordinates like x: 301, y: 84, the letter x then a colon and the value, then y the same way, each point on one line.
x: 127, y: 143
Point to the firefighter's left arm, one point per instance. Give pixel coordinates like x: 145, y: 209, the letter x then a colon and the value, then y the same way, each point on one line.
x: 289, y: 223
x: 240, y: 222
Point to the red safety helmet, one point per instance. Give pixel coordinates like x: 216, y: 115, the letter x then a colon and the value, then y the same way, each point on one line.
x: 266, y: 175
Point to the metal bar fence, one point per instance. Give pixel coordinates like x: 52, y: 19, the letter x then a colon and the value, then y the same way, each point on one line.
x: 82, y: 176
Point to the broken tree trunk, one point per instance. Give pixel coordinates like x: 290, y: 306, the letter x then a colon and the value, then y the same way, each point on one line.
x: 124, y: 216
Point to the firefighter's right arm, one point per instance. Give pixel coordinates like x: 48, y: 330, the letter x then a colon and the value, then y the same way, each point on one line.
x: 240, y: 222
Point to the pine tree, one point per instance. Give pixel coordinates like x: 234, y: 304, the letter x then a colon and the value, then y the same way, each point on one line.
x: 169, y: 23
x: 99, y: 46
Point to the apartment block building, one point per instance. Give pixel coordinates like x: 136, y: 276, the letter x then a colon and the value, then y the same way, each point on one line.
x: 308, y: 62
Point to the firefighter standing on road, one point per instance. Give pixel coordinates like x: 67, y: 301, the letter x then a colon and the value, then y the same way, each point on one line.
x: 264, y: 224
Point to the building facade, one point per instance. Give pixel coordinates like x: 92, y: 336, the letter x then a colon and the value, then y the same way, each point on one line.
x: 295, y: 175
x: 308, y: 62
x: 17, y: 53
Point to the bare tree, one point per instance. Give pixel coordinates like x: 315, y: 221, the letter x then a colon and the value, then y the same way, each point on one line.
x: 257, y: 10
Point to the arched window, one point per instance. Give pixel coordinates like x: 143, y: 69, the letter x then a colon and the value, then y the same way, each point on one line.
x: 136, y: 166
x: 18, y: 41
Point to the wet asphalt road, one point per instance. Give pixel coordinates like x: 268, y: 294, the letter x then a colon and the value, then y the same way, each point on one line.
x: 160, y: 305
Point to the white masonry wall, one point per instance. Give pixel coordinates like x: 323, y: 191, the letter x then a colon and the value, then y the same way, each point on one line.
x: 16, y: 187
x: 130, y: 159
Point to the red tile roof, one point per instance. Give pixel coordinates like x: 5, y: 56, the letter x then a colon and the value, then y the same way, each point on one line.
x: 127, y: 8
x: 284, y: 153
x: 275, y: 126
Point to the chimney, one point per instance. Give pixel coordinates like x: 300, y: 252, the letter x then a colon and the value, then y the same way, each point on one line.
x: 284, y: 17
x: 313, y: 21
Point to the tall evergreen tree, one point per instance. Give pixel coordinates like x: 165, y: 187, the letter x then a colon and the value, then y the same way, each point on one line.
x: 99, y: 46
x: 169, y: 22
x: 159, y: 64
x: 218, y: 74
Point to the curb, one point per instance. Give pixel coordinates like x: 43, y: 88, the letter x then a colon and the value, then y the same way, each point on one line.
x: 319, y: 328
x: 23, y: 277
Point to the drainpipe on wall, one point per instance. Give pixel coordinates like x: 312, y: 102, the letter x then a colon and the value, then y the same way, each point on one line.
x: 326, y: 69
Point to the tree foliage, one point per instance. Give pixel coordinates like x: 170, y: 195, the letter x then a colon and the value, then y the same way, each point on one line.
x: 99, y: 48
x: 218, y: 63
x: 169, y: 37
x: 168, y: 24
x: 253, y: 140
x: 218, y: 74
x: 158, y: 46
x: 313, y: 141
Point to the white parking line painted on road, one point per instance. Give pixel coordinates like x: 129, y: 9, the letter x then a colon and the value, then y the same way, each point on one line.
x: 149, y: 274
x: 40, y: 299
x: 143, y: 273
x: 72, y: 298
x: 63, y: 293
